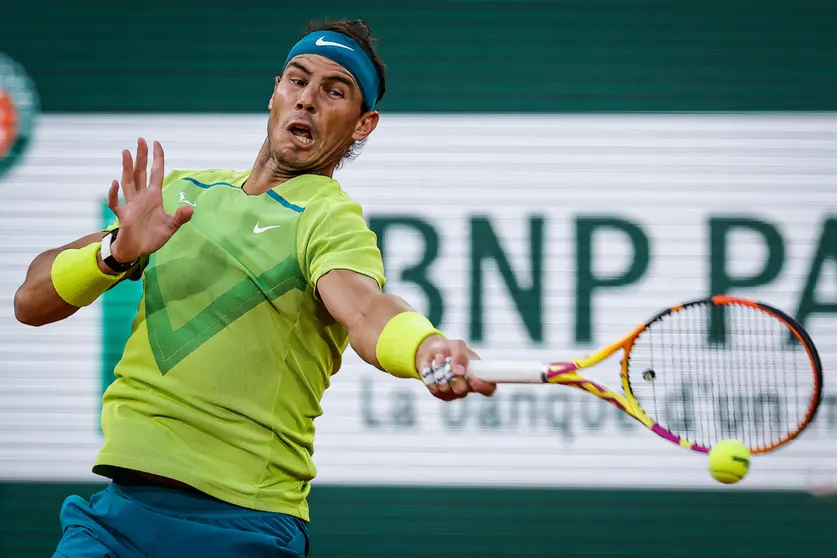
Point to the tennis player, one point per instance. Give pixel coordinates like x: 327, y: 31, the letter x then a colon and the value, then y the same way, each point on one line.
x: 254, y: 283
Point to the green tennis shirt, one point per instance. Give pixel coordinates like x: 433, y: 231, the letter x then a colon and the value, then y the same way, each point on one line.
x: 231, y: 350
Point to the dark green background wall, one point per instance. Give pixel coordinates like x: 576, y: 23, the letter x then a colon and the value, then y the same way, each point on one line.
x: 463, y: 56
x: 465, y: 523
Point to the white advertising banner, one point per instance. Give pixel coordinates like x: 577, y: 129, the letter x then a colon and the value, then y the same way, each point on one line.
x: 533, y: 237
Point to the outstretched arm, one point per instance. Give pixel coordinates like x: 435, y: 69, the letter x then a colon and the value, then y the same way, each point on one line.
x: 356, y: 301
x: 61, y: 281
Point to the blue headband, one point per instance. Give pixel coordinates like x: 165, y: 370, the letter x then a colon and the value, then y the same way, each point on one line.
x: 345, y: 51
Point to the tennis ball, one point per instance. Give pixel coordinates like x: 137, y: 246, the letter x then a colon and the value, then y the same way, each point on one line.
x: 729, y: 461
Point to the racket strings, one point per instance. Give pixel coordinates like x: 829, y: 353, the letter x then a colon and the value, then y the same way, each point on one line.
x: 705, y: 382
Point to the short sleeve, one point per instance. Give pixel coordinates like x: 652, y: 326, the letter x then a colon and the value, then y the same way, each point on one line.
x: 332, y: 234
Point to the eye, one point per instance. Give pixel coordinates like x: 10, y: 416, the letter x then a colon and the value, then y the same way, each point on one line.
x: 298, y: 82
x: 335, y: 93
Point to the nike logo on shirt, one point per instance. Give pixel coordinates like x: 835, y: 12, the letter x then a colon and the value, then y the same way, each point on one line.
x: 259, y: 230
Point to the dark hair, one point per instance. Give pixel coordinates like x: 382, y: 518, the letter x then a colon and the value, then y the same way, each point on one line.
x: 358, y: 30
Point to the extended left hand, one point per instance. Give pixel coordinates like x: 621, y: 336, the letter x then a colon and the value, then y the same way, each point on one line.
x: 443, y: 364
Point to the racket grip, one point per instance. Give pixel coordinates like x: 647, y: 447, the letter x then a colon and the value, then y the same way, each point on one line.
x: 508, y: 371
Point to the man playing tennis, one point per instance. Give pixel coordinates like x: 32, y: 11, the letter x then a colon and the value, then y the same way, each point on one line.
x: 254, y: 283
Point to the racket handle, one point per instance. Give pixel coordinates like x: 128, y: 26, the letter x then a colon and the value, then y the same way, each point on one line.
x: 508, y: 371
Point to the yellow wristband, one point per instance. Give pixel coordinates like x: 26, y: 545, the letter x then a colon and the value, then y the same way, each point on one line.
x: 399, y: 342
x: 77, y: 277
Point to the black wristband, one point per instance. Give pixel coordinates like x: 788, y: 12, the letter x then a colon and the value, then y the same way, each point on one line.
x: 107, y: 255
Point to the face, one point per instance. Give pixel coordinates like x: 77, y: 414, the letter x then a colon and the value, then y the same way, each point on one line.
x: 315, y: 114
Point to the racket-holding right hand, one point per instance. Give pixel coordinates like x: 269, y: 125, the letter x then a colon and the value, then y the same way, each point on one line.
x: 443, y: 365
x: 144, y: 225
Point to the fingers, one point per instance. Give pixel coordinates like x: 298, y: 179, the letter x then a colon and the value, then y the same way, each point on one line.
x: 437, y: 376
x: 448, y: 396
x: 158, y: 169
x: 446, y: 375
x: 460, y: 355
x: 458, y: 361
x: 135, y: 175
x: 140, y: 168
x: 113, y: 198
x: 481, y: 386
x: 181, y: 217
x: 129, y: 190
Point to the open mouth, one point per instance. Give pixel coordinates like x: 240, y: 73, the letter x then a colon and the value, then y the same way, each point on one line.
x: 302, y: 132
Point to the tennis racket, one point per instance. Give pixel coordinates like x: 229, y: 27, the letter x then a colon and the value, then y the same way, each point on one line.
x: 700, y: 372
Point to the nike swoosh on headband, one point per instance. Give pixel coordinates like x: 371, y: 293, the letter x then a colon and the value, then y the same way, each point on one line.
x: 322, y: 42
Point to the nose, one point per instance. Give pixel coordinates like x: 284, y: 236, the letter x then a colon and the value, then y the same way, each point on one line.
x: 306, y: 101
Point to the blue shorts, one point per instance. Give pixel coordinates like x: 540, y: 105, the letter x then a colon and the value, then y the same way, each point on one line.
x: 138, y: 521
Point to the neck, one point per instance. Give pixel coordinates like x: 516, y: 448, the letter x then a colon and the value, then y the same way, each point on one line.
x: 268, y: 173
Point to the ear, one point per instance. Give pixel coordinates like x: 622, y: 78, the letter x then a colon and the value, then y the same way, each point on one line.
x: 366, y: 125
x: 275, y: 87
